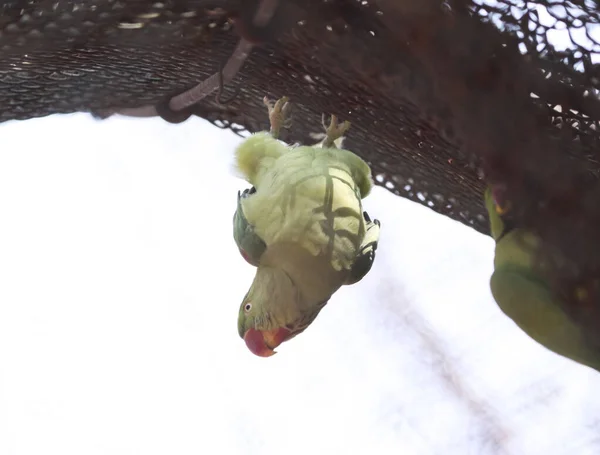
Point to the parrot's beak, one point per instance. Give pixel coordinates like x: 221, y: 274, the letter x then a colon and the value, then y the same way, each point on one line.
x: 263, y: 342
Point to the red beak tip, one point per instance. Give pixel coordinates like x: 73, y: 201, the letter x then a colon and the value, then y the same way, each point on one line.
x: 256, y: 343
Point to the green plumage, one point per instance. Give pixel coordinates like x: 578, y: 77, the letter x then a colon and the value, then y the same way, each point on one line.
x: 303, y: 227
x: 524, y: 296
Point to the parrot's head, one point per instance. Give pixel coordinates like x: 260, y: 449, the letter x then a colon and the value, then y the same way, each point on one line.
x: 271, y: 312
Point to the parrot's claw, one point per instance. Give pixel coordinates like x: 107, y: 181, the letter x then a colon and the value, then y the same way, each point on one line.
x: 334, y: 131
x: 279, y: 114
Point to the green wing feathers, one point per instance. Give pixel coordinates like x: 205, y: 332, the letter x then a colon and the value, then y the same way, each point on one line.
x: 249, y: 243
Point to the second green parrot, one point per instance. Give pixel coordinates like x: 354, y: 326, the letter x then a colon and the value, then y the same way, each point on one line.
x: 524, y: 295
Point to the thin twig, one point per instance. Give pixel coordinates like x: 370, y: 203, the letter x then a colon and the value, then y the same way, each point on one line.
x: 219, y: 98
x: 209, y: 85
x: 263, y: 15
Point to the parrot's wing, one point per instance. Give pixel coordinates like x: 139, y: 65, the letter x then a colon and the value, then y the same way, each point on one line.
x: 524, y: 296
x: 366, y: 255
x: 251, y: 246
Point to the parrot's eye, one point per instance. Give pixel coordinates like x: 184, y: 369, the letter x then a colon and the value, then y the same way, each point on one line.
x: 247, y: 307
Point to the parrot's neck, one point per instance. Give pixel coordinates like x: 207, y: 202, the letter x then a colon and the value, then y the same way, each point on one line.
x: 313, y: 275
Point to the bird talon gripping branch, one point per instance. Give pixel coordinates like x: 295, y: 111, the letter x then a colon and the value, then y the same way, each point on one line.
x: 279, y: 114
x: 304, y: 229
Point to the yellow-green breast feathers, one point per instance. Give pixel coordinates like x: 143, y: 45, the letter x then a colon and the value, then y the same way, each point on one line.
x: 359, y: 169
x: 307, y: 195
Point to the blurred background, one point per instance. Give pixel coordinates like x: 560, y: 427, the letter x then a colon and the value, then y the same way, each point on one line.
x: 120, y: 284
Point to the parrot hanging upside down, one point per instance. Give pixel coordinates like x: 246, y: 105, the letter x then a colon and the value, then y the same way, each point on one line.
x: 302, y: 226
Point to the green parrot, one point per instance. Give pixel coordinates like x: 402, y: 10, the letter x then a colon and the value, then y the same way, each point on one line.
x: 523, y: 295
x: 302, y: 226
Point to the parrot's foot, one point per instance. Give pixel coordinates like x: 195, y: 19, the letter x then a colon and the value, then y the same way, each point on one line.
x: 334, y: 131
x: 279, y: 114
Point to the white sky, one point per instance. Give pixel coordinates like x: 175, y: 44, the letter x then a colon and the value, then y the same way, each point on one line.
x: 120, y: 284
